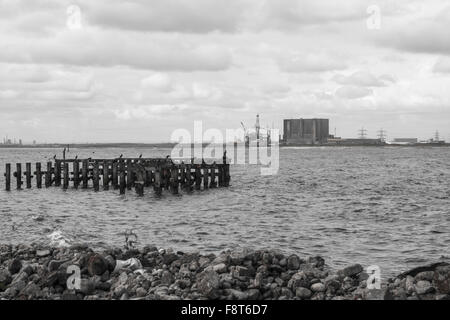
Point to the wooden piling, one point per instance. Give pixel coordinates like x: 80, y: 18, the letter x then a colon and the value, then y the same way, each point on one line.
x: 28, y: 175
x: 57, y: 173
x: 114, y: 174
x: 105, y: 175
x: 38, y: 174
x: 122, y: 184
x: 76, y: 173
x: 8, y: 177
x: 188, y: 183
x: 139, y: 182
x: 129, y: 174
x: 157, y: 184
x: 174, y: 179
x: 220, y: 175
x: 84, y: 173
x: 198, y: 177
x: 182, y: 175
x: 65, y: 175
x: 213, y: 183
x: 205, y: 177
x: 96, y: 176
x: 18, y: 175
x: 48, y: 175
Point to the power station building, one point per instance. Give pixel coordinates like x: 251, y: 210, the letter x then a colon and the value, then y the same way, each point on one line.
x: 305, y: 131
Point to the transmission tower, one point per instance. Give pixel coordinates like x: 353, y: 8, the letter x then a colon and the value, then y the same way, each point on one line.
x: 436, y: 136
x: 382, y: 135
x: 362, y: 133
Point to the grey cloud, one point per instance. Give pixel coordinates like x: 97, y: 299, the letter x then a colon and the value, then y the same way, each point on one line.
x: 352, y: 92
x: 364, y: 79
x: 311, y: 62
x: 91, y: 47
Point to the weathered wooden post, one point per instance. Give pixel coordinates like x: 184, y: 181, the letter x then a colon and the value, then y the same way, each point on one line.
x: 220, y: 175
x: 96, y: 176
x: 76, y: 173
x: 48, y: 175
x: 122, y: 184
x: 174, y: 179
x: 18, y: 175
x: 84, y: 173
x: 114, y: 174
x: 28, y: 174
x: 105, y: 175
x: 8, y: 177
x: 213, y: 183
x: 129, y: 174
x: 182, y: 175
x: 188, y: 184
x: 226, y: 170
x: 139, y: 183
x: 205, y: 177
x: 38, y: 174
x: 198, y: 177
x: 157, y: 184
x: 65, y: 175
x: 57, y: 173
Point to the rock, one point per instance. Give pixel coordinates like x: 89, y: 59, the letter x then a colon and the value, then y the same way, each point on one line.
x: 253, y: 294
x: 303, y: 293
x: 352, y: 270
x: 87, y: 287
x: 43, y: 253
x: 409, y: 284
x: 5, y: 279
x: 376, y: 294
x: 141, y: 292
x: 423, y: 287
x: 424, y: 275
x: 31, y: 290
x: 298, y: 280
x: 415, y: 271
x: 208, y: 284
x: 238, y: 295
x: 241, y: 272
x: 166, y: 278
x: 97, y: 265
x: 54, y: 265
x: 220, y: 268
x: 131, y: 263
x: 14, y: 266
x: 168, y: 258
x: 318, y: 287
x: 441, y: 280
x: 111, y: 262
x: 293, y: 262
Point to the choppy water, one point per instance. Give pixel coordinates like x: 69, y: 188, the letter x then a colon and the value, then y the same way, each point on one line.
x: 383, y: 206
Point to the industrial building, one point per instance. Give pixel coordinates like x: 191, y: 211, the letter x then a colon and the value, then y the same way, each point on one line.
x: 305, y: 131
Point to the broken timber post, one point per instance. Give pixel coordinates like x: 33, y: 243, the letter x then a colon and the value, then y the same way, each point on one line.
x: 213, y: 183
x: 122, y: 184
x: 28, y: 174
x: 96, y: 176
x: 114, y: 174
x: 18, y: 175
x: 76, y: 173
x: 84, y: 173
x: 129, y: 174
x: 65, y: 175
x: 57, y: 173
x: 105, y: 175
x: 198, y: 177
x: 48, y: 175
x: 38, y: 174
x: 157, y: 184
x: 8, y: 177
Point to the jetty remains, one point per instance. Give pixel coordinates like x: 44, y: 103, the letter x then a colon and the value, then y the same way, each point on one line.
x: 122, y: 174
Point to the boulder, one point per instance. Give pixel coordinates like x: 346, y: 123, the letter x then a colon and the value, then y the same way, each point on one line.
x: 14, y: 266
x: 96, y: 265
x: 352, y: 270
x: 5, y: 279
x: 208, y: 284
x: 303, y: 293
x: 220, y: 268
x: 318, y: 287
x: 293, y: 262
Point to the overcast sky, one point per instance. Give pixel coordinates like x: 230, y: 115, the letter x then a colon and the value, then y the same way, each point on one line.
x: 136, y: 70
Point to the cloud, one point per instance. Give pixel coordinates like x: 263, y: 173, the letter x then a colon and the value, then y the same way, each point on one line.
x: 442, y: 65
x: 94, y: 47
x: 363, y: 79
x: 310, y: 62
x: 353, y: 92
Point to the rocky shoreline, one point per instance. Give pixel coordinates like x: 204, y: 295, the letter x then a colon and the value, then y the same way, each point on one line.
x: 78, y: 272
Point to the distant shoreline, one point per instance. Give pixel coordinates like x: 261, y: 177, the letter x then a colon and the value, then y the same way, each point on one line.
x: 171, y: 145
